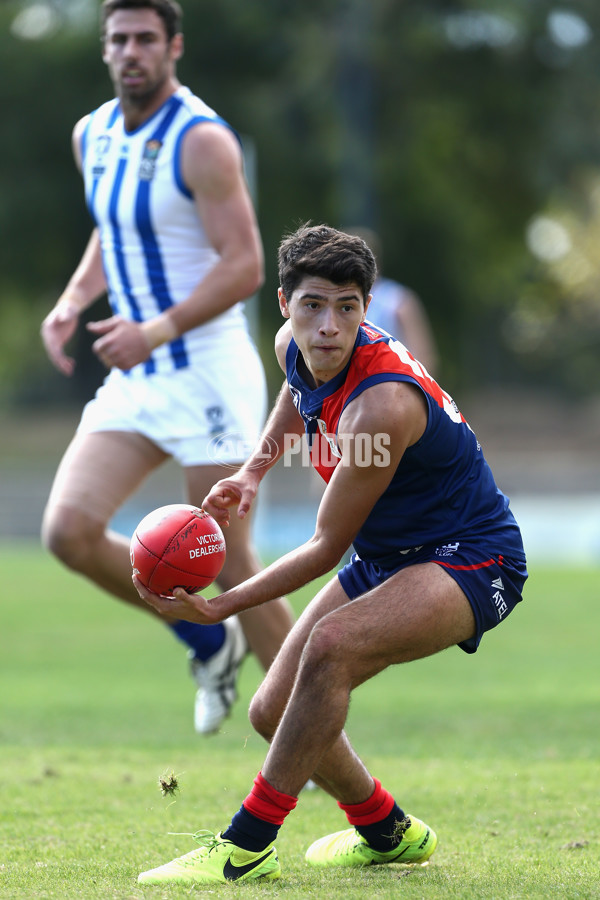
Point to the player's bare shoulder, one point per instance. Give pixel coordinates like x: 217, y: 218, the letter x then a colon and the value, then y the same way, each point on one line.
x: 282, y: 342
x: 211, y: 156
x: 76, y: 138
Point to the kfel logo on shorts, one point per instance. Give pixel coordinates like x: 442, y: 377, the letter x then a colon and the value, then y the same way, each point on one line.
x: 499, y: 601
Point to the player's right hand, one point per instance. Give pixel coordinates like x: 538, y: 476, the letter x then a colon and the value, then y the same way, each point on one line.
x: 238, y: 490
x: 57, y: 330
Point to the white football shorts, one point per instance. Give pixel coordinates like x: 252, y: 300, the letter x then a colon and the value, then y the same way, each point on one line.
x: 209, y: 412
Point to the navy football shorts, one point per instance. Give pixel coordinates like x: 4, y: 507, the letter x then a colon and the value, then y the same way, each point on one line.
x: 492, y: 583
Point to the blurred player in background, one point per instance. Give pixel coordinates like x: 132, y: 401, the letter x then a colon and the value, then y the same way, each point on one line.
x: 177, y: 247
x: 439, y: 561
x: 398, y: 310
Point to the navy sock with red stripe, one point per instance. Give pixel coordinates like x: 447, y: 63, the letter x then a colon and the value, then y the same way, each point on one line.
x: 376, y: 818
x: 260, y: 816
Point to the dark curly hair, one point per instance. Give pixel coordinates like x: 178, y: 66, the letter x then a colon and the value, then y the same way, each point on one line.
x: 326, y: 253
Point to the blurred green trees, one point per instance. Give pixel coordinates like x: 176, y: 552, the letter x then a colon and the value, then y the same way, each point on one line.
x: 465, y: 132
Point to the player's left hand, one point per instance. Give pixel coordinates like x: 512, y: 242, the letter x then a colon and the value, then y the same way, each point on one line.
x: 122, y: 344
x: 190, y: 607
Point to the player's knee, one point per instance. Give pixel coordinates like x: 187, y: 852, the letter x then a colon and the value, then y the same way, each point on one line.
x: 264, y: 714
x: 67, y: 535
x: 325, y: 652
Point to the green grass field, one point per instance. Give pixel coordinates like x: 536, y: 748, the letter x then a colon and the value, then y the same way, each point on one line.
x: 498, y: 751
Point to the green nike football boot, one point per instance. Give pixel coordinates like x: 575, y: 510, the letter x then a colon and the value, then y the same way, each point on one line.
x: 416, y: 843
x: 216, y: 861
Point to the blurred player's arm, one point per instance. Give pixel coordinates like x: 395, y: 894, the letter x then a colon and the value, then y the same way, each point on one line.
x: 413, y: 324
x: 212, y: 168
x: 85, y: 286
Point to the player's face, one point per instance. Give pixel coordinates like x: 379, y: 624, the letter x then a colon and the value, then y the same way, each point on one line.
x: 325, y: 318
x: 140, y: 58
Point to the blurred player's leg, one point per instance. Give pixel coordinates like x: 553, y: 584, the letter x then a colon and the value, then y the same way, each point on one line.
x: 99, y: 471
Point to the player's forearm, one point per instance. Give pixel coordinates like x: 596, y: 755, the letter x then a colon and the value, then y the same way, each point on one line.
x: 292, y: 571
x: 214, y: 296
x: 160, y: 330
x: 87, y: 283
x: 229, y: 282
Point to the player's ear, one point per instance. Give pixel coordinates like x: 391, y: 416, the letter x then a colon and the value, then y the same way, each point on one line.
x: 367, y: 302
x: 177, y: 46
x: 283, y: 304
